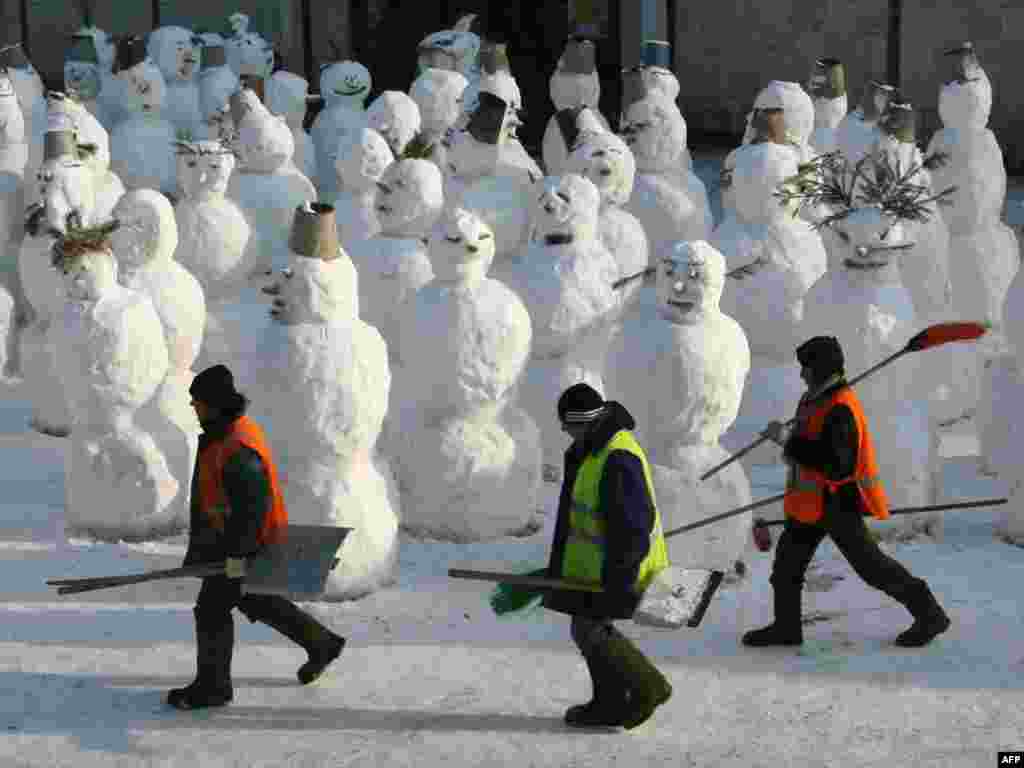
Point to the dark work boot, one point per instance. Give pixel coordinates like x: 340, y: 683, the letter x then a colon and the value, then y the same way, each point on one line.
x: 212, y: 686
x: 608, y: 705
x: 322, y: 645
x: 929, y: 619
x: 648, y: 688
x: 786, y: 630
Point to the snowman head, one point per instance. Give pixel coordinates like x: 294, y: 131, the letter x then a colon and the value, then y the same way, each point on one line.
x: 12, y: 121
x: 575, y: 83
x: 215, y: 88
x: 67, y: 186
x: 395, y: 116
x: 248, y: 53
x: 409, y: 199
x: 144, y: 88
x: 461, y: 247
x: 438, y: 95
x: 689, y: 282
x: 86, y: 265
x: 871, y: 238
x: 92, y: 139
x: 566, y: 210
x: 789, y: 103
x: 148, y: 231
x: 659, y: 81
x: 874, y: 100
x: 967, y: 105
x: 451, y: 49
x: 473, y: 151
x: 176, y: 52
x: 656, y: 134
x: 306, y: 293
x: 605, y: 159
x: 265, y: 142
x: 204, y: 169
x: 759, y: 172
x: 345, y: 83
x: 362, y: 158
x: 286, y: 95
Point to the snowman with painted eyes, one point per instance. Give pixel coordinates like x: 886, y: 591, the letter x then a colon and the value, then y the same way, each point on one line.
x: 344, y: 86
x: 142, y: 145
x: 363, y: 156
x: 565, y: 277
x: 175, y: 50
x: 112, y: 359
x: 393, y: 264
x: 684, y: 373
x: 395, y: 116
x: 323, y: 379
x: 865, y: 305
x: 468, y: 457
x: 573, y: 85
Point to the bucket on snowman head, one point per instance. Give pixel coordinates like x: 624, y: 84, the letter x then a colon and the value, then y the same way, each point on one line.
x: 966, y: 66
x: 315, y: 232
x: 58, y: 144
x: 488, y: 118
x: 656, y: 54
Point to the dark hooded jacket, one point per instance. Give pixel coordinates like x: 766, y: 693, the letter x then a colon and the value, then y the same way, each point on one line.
x: 248, y: 494
x: 628, y: 511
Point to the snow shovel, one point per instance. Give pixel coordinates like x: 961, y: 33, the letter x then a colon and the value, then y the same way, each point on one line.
x: 932, y: 336
x: 295, y: 568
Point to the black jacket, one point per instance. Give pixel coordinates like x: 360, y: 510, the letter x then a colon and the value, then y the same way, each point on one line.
x: 629, y: 518
x: 833, y: 453
x: 247, y: 488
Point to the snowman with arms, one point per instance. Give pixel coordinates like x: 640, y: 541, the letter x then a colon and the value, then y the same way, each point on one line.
x: 573, y: 84
x: 144, y: 245
x: 344, y: 86
x: 142, y: 145
x: 363, y: 156
x: 175, y: 50
x: 469, y: 458
x: 564, y: 277
x: 287, y: 96
x: 112, y: 360
x: 325, y: 379
x: 685, y: 372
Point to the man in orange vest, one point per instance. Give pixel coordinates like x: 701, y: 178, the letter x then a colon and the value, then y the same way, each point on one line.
x: 236, y: 509
x: 833, y: 481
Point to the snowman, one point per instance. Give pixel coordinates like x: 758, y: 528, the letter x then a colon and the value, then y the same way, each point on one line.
x: 215, y: 245
x: 82, y: 72
x: 31, y: 93
x: 573, y: 84
x: 266, y: 184
x: 456, y: 49
x: 983, y: 251
x: 13, y: 156
x: 773, y: 258
x: 438, y: 95
x: 324, y: 380
x: 112, y: 359
x: 144, y: 245
x: 93, y: 143
x: 67, y: 200
x: 865, y: 305
x: 287, y: 95
x: 683, y: 375
x: 175, y: 50
x: 217, y: 82
x: 393, y: 264
x: 395, y: 116
x: 565, y: 277
x: 249, y: 54
x: 142, y: 145
x: 106, y: 54
x: 344, y: 86
x: 669, y: 207
x: 476, y: 178
x: 363, y: 157
x: 656, y: 78
x: 827, y: 88
x: 469, y: 459
x: 858, y: 132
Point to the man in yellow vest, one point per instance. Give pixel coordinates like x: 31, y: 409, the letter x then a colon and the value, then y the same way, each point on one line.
x: 608, y: 533
x: 236, y: 508
x: 833, y: 482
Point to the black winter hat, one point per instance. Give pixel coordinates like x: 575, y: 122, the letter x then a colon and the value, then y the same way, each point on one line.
x: 215, y: 387
x: 822, y: 354
x: 580, y: 404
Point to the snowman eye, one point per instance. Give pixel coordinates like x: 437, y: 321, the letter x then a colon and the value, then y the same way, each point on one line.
x: 484, y: 236
x: 191, y: 163
x: 843, y: 236
x: 563, y: 196
x: 453, y: 239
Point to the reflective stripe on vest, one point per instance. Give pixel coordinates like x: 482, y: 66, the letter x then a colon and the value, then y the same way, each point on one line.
x: 585, y: 545
x: 212, y: 498
x: 805, y: 487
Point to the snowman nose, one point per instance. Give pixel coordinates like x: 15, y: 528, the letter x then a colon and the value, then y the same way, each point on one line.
x: 549, y: 207
x: 679, y: 286
x: 862, y: 251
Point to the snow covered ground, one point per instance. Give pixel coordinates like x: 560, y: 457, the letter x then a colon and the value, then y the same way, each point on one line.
x: 431, y: 677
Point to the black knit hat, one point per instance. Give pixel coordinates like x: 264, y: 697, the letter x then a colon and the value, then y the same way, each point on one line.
x: 580, y: 404
x: 822, y: 354
x: 215, y: 387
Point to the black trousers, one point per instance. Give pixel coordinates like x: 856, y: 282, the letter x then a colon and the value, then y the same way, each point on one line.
x: 843, y: 523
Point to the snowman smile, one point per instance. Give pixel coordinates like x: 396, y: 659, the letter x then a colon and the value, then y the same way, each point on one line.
x: 864, y: 265
x: 350, y: 91
x: 686, y: 306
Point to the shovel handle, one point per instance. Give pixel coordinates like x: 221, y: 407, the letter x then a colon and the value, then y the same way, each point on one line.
x: 909, y: 510
x: 735, y: 457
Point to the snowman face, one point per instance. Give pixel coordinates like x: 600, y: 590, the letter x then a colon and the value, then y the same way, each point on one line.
x: 966, y: 106
x: 88, y: 276
x: 461, y: 247
x: 689, y: 282
x: 396, y: 117
x: 871, y: 239
x: 65, y: 190
x: 409, y: 197
x: 570, y: 89
x: 660, y: 81
x: 147, y: 227
x: 362, y: 159
x: 305, y: 293
x: 606, y: 160
x: 438, y: 95
x: 205, y: 175
x: 265, y: 143
x: 566, y: 210
x: 144, y: 90
x: 81, y: 80
x: 345, y: 82
x: 186, y: 57
x: 654, y: 136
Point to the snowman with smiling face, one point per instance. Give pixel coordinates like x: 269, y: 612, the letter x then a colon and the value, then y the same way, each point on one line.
x: 344, y: 86
x: 469, y: 459
x: 683, y: 373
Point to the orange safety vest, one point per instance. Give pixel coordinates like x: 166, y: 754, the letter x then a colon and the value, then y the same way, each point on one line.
x: 805, y: 487
x: 212, y: 499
